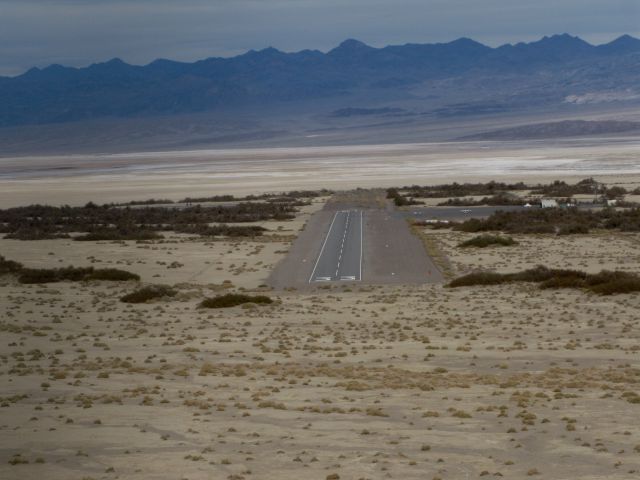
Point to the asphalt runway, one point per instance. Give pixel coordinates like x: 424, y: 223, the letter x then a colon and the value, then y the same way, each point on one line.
x: 352, y: 241
x: 340, y: 258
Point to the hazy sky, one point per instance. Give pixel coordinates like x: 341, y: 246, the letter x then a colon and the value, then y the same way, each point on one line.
x: 80, y: 32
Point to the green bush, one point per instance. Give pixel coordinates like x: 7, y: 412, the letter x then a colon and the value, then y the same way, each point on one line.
x: 150, y: 292
x: 233, y: 300
x: 483, y: 241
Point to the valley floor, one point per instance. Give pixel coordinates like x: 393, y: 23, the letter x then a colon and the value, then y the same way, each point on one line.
x: 393, y: 381
x: 78, y: 179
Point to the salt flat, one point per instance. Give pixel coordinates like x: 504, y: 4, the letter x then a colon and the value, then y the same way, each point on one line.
x: 76, y: 179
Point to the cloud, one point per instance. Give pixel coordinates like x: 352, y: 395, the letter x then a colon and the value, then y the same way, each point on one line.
x: 79, y: 32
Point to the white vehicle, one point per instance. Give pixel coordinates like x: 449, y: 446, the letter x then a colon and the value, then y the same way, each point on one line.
x: 436, y: 221
x: 466, y: 210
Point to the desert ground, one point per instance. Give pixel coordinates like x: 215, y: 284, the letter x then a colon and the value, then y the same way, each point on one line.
x: 77, y: 179
x: 337, y: 382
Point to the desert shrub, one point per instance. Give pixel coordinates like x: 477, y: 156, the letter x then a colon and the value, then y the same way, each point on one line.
x: 9, y: 266
x: 603, y: 283
x: 501, y: 199
x: 568, y: 281
x: 112, y: 274
x: 115, y: 234
x: 48, y: 275
x: 482, y: 241
x: 290, y: 197
x: 110, y: 222
x: 222, y: 230
x: 541, y: 273
x: 462, y: 190
x: 147, y: 293
x: 560, y: 188
x: 623, y: 285
x: 73, y: 274
x: 479, y: 278
x: 573, y: 229
x: 212, y: 199
x: 434, y: 225
x: 609, y: 283
x: 399, y: 200
x: 151, y: 201
x: 555, y: 220
x: 26, y: 233
x: 233, y: 300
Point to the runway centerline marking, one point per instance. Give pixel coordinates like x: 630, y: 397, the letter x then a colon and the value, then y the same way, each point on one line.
x: 343, y: 260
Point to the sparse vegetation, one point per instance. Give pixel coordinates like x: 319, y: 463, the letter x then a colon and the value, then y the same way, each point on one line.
x: 603, y: 283
x: 401, y: 200
x: 109, y: 222
x: 499, y: 193
x: 149, y: 292
x: 555, y: 220
x: 395, y: 366
x: 112, y: 274
x: 117, y: 234
x: 463, y: 189
x: 501, y: 199
x: 222, y: 230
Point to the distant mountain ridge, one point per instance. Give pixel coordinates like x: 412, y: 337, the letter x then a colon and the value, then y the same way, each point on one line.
x: 549, y: 69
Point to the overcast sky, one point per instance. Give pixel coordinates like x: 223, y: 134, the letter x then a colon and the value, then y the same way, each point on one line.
x: 81, y: 32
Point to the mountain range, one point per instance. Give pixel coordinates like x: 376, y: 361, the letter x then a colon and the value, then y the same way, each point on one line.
x: 455, y: 78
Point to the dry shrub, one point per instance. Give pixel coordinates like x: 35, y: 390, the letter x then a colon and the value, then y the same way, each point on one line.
x: 9, y: 266
x: 483, y: 241
x: 233, y: 300
x: 147, y: 293
x: 603, y: 283
x: 73, y: 274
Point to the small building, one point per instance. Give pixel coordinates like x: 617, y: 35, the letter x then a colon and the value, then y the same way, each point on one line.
x: 548, y: 203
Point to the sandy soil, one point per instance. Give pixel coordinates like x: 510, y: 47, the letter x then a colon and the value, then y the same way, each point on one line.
x: 77, y: 179
x: 419, y: 382
x: 591, y: 253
